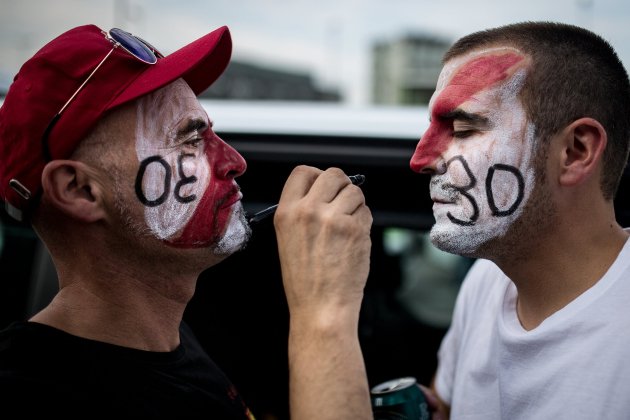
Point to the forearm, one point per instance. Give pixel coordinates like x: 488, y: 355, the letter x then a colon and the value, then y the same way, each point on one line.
x: 326, y: 370
x: 323, y: 233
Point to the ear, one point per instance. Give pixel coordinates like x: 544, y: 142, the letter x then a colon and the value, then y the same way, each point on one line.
x: 583, y: 144
x: 72, y: 187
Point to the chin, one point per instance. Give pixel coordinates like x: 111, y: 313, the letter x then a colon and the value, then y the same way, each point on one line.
x: 236, y: 235
x: 461, y: 240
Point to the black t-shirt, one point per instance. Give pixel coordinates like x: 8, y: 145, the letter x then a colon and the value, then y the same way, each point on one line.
x: 46, y: 371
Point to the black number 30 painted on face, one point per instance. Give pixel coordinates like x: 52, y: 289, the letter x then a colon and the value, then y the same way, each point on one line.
x: 167, y: 181
x: 463, y: 190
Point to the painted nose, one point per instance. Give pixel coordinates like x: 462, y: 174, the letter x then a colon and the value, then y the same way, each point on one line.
x: 228, y: 163
x: 429, y: 150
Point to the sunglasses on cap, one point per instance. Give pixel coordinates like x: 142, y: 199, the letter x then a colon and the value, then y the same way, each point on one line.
x: 133, y: 45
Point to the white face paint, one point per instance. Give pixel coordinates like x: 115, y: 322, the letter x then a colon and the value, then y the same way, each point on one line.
x: 237, y: 233
x: 186, y: 175
x: 158, y: 117
x: 483, y: 172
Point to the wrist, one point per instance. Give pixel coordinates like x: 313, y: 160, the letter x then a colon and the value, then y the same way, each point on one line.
x: 330, y: 322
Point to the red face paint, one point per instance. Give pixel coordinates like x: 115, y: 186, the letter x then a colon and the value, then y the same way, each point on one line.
x: 212, y: 214
x: 477, y: 75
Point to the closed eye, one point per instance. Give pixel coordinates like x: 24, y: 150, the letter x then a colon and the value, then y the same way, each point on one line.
x: 193, y: 141
x: 462, y: 134
x: 466, y: 124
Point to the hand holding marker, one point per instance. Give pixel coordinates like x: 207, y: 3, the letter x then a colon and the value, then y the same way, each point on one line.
x: 263, y: 214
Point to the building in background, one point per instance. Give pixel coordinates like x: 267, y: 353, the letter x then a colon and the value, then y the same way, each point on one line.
x: 247, y: 81
x: 5, y: 82
x: 405, y: 70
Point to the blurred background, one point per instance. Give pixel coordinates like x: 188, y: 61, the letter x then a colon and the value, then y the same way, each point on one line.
x: 351, y: 51
x: 329, y: 83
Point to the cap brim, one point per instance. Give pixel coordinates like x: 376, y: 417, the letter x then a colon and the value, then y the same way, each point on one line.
x: 199, y: 63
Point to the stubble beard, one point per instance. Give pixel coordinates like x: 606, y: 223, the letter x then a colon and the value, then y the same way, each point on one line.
x: 236, y: 236
x: 536, y: 220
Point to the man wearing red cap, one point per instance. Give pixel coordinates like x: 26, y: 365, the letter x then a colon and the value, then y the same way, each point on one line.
x: 106, y: 151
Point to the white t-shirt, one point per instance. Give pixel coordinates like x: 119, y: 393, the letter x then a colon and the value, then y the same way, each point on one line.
x: 575, y: 365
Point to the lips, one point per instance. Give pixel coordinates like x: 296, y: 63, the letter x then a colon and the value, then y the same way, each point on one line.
x: 234, y: 197
x: 442, y: 192
x: 444, y: 196
x: 439, y: 200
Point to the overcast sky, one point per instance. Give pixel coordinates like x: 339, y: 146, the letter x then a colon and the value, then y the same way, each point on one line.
x: 330, y: 39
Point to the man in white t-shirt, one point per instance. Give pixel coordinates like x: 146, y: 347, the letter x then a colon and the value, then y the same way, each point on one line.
x: 529, y: 137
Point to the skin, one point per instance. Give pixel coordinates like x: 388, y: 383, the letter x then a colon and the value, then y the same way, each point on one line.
x: 477, y: 149
x: 201, y: 203
x: 560, y: 235
x: 148, y: 269
x: 323, y: 232
x: 131, y: 285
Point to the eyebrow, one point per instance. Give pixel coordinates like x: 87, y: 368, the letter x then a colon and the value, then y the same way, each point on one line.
x: 194, y: 124
x: 461, y: 115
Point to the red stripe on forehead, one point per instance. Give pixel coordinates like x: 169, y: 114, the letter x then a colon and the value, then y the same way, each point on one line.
x: 474, y: 76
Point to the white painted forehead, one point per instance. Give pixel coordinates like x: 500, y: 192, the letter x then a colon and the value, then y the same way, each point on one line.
x: 178, y: 86
x: 453, y: 64
x: 173, y: 103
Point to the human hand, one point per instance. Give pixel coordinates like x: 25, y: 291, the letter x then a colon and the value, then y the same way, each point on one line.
x: 436, y: 408
x: 323, y: 232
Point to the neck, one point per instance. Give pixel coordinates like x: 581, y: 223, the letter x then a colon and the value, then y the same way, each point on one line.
x: 559, y: 267
x: 103, y: 299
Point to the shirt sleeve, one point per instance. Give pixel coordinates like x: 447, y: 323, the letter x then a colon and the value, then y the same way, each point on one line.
x: 448, y: 352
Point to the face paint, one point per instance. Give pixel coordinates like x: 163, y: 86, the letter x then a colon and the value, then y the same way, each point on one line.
x: 186, y: 172
x: 475, y: 76
x: 478, y: 148
x: 219, y: 207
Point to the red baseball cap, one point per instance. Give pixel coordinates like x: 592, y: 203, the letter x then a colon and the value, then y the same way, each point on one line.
x: 48, y: 79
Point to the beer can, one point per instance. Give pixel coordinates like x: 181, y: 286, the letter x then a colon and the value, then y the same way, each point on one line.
x: 399, y: 399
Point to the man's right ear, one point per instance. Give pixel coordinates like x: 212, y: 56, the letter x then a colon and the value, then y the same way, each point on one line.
x: 72, y: 188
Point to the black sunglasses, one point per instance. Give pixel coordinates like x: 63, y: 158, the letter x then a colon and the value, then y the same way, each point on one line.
x: 134, y: 45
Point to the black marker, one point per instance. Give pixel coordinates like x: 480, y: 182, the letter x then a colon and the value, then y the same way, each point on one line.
x: 263, y: 214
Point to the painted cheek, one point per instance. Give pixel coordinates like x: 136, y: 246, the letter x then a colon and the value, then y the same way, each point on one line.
x: 211, y: 217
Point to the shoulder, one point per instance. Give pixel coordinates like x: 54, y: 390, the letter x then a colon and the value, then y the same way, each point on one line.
x: 481, y: 294
x: 18, y: 335
x: 28, y: 347
x: 484, y: 279
x: 24, y: 360
x: 483, y: 268
x: 31, y: 335
x: 474, y: 319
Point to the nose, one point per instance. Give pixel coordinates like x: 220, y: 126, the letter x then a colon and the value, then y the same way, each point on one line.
x: 429, y: 152
x: 227, y: 162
